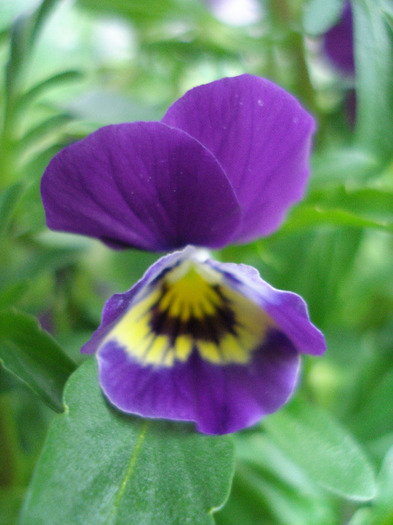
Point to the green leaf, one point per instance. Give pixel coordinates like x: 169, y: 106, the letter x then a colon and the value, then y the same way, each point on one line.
x: 39, y: 18
x: 102, y: 467
x: 374, y: 73
x: 23, y: 35
x: 247, y: 504
x: 320, y: 15
x: 17, y: 56
x: 8, y: 202
x: 358, y: 208
x: 44, y: 85
x: 49, y: 126
x: 147, y: 12
x: 11, y: 499
x: 361, y: 517
x: 11, y: 293
x: 5, y: 34
x: 324, y: 449
x: 376, y: 415
x: 305, y: 217
x: 387, y: 7
x: 35, y: 264
x: 269, y: 488
x: 34, y: 356
x: 371, y: 203
x: 383, y: 511
x: 341, y: 165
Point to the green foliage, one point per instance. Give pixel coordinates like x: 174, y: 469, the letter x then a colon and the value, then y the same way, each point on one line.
x: 33, y: 356
x: 326, y: 458
x: 374, y: 65
x: 129, y: 470
x: 270, y: 488
x: 323, y: 449
x: 8, y: 201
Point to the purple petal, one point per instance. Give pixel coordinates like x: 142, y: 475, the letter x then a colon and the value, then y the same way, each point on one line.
x: 144, y: 185
x: 219, y: 399
x: 262, y: 138
x: 118, y: 304
x: 287, y: 309
x: 239, y: 358
x: 338, y: 42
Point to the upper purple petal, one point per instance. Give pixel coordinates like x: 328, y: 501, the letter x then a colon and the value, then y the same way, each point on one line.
x: 145, y: 185
x: 262, y: 138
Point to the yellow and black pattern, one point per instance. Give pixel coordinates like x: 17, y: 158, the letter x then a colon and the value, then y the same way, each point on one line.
x: 191, y: 307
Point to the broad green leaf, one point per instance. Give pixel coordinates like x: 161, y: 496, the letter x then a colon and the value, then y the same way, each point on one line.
x: 102, y: 467
x: 324, y: 449
x: 260, y: 450
x: 321, y: 15
x: 247, y: 503
x: 8, y: 202
x: 381, y: 512
x: 34, y: 356
x: 257, y: 497
x: 374, y: 74
x: 269, y: 488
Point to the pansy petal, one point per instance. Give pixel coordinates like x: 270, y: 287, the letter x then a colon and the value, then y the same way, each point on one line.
x: 117, y: 305
x: 261, y: 136
x: 219, y: 399
x: 193, y: 341
x: 287, y: 309
x: 145, y: 185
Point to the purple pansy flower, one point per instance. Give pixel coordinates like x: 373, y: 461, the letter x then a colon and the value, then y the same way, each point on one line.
x: 195, y: 339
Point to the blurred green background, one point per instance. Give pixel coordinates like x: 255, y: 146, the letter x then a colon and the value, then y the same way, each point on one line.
x: 71, y: 67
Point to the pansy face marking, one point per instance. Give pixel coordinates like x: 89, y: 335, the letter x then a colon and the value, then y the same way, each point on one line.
x: 187, y: 308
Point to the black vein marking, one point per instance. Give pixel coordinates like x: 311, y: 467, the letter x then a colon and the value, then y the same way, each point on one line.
x: 208, y: 328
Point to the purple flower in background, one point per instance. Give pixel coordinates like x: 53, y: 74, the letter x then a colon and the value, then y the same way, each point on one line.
x: 195, y: 339
x: 339, y: 49
x: 338, y: 42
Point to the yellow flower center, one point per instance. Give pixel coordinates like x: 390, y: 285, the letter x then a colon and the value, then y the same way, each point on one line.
x: 191, y: 307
